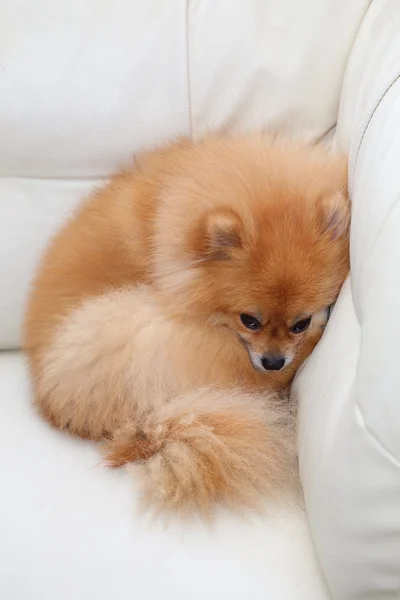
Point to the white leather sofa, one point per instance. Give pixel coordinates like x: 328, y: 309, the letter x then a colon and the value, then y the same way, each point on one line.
x: 83, y: 85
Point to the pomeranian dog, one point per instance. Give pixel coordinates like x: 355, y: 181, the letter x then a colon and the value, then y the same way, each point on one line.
x: 180, y: 299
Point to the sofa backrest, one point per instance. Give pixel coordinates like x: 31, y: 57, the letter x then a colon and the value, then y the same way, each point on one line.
x: 85, y: 85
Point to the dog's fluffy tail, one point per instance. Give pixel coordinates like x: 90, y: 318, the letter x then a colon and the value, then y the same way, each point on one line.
x: 208, y: 447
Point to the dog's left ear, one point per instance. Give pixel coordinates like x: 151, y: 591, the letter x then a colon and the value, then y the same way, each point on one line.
x: 336, y: 214
x: 221, y: 235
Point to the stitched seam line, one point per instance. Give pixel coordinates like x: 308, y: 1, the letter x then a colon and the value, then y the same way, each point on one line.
x: 189, y: 87
x: 379, y: 235
x: 370, y: 119
x: 393, y: 459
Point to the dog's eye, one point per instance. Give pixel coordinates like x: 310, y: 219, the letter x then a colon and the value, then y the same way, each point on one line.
x: 300, y: 325
x: 250, y: 322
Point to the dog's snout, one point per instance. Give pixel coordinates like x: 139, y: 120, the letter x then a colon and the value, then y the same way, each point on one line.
x: 273, y: 362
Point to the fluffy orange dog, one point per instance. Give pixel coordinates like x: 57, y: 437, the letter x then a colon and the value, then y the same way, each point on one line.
x: 180, y: 294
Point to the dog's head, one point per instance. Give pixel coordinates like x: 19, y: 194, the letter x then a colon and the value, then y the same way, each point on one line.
x: 257, y: 241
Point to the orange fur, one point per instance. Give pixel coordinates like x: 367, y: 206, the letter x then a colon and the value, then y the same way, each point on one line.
x: 133, y: 328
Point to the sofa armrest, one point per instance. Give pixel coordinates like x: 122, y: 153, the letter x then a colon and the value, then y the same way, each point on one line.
x: 350, y: 422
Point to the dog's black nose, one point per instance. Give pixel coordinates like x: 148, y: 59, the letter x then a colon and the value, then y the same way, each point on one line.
x: 273, y: 363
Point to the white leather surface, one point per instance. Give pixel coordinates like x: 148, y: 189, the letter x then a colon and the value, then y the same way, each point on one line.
x: 350, y: 389
x: 83, y: 85
x: 69, y: 528
x: 278, y: 62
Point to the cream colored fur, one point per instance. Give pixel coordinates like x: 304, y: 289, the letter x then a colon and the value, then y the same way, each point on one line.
x: 134, y: 380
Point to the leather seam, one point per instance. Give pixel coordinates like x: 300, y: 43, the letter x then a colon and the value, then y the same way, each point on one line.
x: 371, y: 116
x: 378, y: 235
x: 381, y: 446
x: 188, y: 68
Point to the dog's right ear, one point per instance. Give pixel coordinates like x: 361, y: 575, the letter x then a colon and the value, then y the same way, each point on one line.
x: 335, y: 204
x: 336, y: 214
x: 221, y: 235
